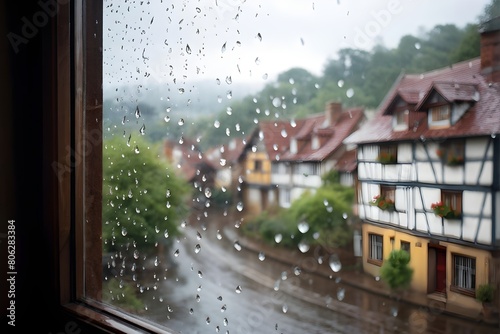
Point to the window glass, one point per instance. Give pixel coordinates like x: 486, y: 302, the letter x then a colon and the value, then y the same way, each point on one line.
x: 198, y: 98
x: 464, y: 272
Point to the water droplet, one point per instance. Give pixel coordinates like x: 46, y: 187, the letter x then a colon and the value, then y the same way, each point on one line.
x: 284, y: 275
x: 136, y: 254
x: 124, y: 231
x: 297, y: 271
x: 166, y: 233
x: 223, y: 49
x: 208, y: 192
x: 238, y: 289
x: 191, y: 311
x: 137, y: 112
x: 377, y: 278
x: 284, y: 308
x: 257, y: 61
x: 223, y: 308
x: 188, y: 49
x: 136, y: 150
x: 394, y: 311
x: 340, y: 83
x: 197, y: 248
x: 142, y: 130
x: 335, y: 263
x: 222, y: 162
x: 417, y: 46
x: 277, y: 102
x: 344, y: 215
x: 229, y: 80
x: 239, y: 206
x: 225, y: 322
x: 181, y: 122
x: 278, y: 237
x: 166, y: 119
x: 216, y: 124
x: 259, y: 37
x: 277, y: 285
x: 340, y: 294
x: 237, y: 245
x: 284, y: 134
x: 262, y: 256
x: 303, y: 246
x: 219, y: 236
x: 200, y: 274
x: 303, y: 227
x: 198, y: 298
x: 349, y: 93
x: 181, y: 90
x: 229, y: 94
x: 207, y: 320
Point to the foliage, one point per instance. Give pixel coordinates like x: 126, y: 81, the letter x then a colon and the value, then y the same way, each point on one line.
x: 444, y: 211
x: 485, y: 293
x: 221, y: 198
x: 142, y: 197
x: 121, y: 294
x: 395, y: 270
x: 383, y: 203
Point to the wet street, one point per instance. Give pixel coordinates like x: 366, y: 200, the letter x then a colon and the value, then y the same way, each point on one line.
x: 215, y: 286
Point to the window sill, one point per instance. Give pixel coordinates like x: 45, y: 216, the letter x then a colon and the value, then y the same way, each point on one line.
x: 465, y: 292
x: 106, y: 319
x: 377, y: 263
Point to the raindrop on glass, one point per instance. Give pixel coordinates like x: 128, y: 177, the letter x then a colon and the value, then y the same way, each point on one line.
x: 340, y: 294
x: 124, y: 231
x: 340, y: 83
x: 188, y: 49
x: 137, y: 112
x: 283, y: 133
x: 197, y: 248
x: 335, y: 263
x: 277, y: 238
x: 237, y: 245
x: 394, y: 311
x: 262, y: 256
x: 277, y: 285
x: 142, y: 130
x: 303, y: 246
x: 200, y: 274
x: 303, y: 227
x: 176, y: 253
x: 238, y: 289
x: 349, y: 93
x: 219, y: 236
x: 239, y: 206
x: 223, y: 49
x: 181, y: 122
x: 284, y: 308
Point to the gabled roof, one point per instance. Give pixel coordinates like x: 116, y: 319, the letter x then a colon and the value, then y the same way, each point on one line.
x: 452, y: 92
x: 275, y: 136
x: 348, y: 121
x: 482, y: 118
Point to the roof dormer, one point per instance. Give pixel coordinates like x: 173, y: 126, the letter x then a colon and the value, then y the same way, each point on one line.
x: 446, y: 103
x: 400, y: 107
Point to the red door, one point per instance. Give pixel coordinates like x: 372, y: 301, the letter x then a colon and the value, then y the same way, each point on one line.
x: 441, y: 270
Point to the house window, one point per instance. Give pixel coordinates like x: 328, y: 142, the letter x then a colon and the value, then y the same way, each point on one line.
x: 440, y: 116
x: 388, y: 154
x: 258, y: 165
x: 285, y: 196
x: 376, y: 248
x: 452, y: 152
x: 401, y: 120
x: 452, y: 199
x: 405, y: 245
x: 464, y: 274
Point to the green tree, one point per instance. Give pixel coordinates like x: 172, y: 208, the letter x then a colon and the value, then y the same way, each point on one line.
x: 395, y: 270
x: 143, y: 200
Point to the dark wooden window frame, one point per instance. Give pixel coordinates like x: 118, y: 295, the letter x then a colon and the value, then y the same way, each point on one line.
x: 377, y: 262
x: 454, y: 288
x: 74, y: 117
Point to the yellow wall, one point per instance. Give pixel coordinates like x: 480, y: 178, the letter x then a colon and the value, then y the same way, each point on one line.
x: 263, y: 176
x: 419, y: 262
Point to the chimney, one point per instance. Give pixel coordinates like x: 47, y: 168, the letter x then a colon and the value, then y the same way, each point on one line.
x: 490, y: 50
x: 332, y: 112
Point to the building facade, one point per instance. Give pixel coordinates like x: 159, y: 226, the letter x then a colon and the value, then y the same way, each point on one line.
x: 429, y: 175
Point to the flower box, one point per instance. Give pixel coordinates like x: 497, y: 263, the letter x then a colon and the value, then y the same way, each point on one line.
x: 383, y: 203
x: 444, y: 211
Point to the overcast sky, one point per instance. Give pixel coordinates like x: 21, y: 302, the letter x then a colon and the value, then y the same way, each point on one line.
x: 182, y: 41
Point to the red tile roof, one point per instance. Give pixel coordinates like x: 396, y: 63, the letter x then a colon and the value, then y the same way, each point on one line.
x: 459, y: 82
x: 348, y: 121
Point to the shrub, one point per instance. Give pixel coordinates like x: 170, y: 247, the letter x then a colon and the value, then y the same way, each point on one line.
x: 485, y: 293
x: 396, y: 271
